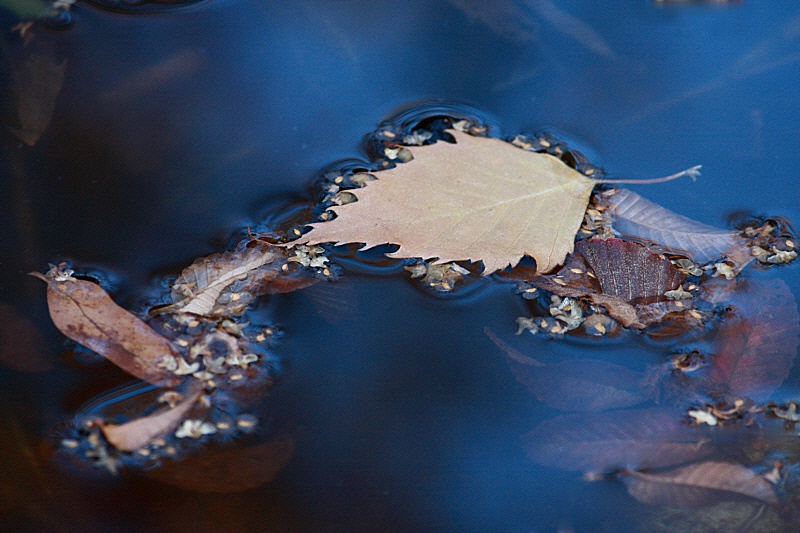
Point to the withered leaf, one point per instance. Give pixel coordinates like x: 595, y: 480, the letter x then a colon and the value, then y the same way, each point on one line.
x: 756, y: 346
x: 638, y: 218
x: 699, y: 484
x: 142, y: 431
x: 575, y: 385
x: 481, y: 199
x: 629, y: 280
x: 85, y: 313
x: 225, y: 284
x: 604, y: 442
x: 228, y: 470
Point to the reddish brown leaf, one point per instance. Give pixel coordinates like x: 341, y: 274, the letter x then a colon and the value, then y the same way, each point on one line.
x: 699, y: 484
x: 21, y: 345
x: 628, y: 280
x: 85, y: 313
x: 629, y: 271
x: 757, y: 345
x: 604, y: 442
x: 638, y: 218
x: 575, y: 385
x: 142, y: 431
x: 228, y: 470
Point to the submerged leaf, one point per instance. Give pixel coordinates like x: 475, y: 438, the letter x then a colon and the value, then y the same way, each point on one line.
x: 575, y: 385
x: 85, y: 313
x: 228, y: 470
x: 37, y: 82
x: 142, y: 431
x: 699, y: 484
x: 755, y: 348
x: 225, y: 284
x: 638, y: 438
x: 639, y: 218
x: 481, y: 199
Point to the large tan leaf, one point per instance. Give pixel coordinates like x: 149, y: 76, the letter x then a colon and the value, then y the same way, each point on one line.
x: 480, y: 199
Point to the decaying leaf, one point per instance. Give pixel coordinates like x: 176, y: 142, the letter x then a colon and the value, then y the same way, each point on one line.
x: 481, y: 199
x: 756, y: 346
x: 575, y: 385
x: 604, y: 442
x: 626, y: 278
x: 229, y: 470
x: 226, y: 284
x: 699, y: 484
x: 85, y: 313
x: 142, y: 431
x: 37, y: 81
x: 639, y: 218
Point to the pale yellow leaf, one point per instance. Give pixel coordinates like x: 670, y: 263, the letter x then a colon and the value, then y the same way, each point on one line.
x: 481, y: 199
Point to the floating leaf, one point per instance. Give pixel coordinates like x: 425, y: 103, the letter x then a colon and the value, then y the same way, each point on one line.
x: 699, y: 484
x: 627, y: 279
x: 481, y: 199
x: 225, y: 284
x: 142, y: 431
x: 755, y: 348
x: 575, y: 385
x: 85, y: 313
x: 604, y: 442
x: 227, y: 470
x: 639, y: 218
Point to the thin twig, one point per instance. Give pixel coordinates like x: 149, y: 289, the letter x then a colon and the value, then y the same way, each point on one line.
x: 691, y: 172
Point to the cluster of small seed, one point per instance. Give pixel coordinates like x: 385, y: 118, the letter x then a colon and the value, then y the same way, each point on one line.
x: 441, y: 277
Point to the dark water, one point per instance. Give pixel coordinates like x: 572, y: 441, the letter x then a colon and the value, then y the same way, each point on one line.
x: 177, y: 127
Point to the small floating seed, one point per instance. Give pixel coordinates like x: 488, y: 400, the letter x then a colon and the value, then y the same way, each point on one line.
x: 70, y: 443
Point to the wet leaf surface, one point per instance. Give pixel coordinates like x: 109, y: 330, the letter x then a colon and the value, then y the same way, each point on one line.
x: 757, y: 344
x: 699, y: 484
x: 639, y: 218
x: 85, y: 313
x: 142, y: 431
x: 575, y: 385
x: 481, y: 199
x: 604, y: 442
x: 227, y: 470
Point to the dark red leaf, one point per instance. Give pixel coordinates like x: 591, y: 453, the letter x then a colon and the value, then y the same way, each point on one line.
x: 628, y: 280
x: 699, y: 484
x: 604, y: 442
x: 575, y: 385
x: 757, y: 344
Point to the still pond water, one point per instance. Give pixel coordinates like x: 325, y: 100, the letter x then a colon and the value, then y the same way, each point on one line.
x: 178, y: 126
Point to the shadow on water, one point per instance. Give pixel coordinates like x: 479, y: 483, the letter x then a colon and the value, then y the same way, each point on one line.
x: 142, y: 135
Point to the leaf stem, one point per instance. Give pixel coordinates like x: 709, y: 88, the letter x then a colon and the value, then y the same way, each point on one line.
x: 691, y: 172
